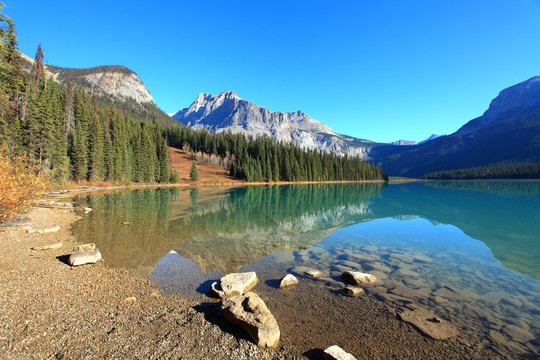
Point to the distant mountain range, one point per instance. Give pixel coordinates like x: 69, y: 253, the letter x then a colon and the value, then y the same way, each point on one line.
x: 509, y: 131
x: 411, y: 142
x: 228, y: 112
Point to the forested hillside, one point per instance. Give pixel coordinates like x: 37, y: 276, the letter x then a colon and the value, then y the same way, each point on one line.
x: 263, y: 159
x: 66, y: 131
x: 527, y: 170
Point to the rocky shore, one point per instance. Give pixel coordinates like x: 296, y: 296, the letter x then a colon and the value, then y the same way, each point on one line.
x: 50, y: 310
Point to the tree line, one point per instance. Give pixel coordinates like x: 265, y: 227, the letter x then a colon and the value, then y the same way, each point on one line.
x: 528, y: 170
x: 66, y: 132
x: 264, y: 159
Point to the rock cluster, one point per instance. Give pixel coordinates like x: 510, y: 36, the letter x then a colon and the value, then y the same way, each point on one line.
x: 246, y: 309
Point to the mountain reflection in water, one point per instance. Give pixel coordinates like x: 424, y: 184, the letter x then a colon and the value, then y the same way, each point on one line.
x: 222, y: 230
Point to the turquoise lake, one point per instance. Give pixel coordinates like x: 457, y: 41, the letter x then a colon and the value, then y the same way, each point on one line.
x: 468, y: 251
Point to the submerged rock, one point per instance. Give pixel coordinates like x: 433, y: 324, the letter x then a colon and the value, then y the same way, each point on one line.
x: 334, y: 352
x: 303, y: 270
x: 429, y: 324
x: 288, y: 282
x: 353, y: 291
x: 250, y: 313
x: 234, y: 284
x: 84, y: 254
x: 358, y: 278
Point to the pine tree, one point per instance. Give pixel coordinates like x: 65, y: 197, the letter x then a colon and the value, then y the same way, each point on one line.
x: 193, y: 173
x: 96, y: 144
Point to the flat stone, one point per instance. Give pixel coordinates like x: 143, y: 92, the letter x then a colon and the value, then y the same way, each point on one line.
x: 130, y: 300
x: 235, y: 284
x: 250, y: 313
x: 376, y: 290
x: 288, y: 282
x: 407, y: 292
x: 379, y: 267
x: 303, y: 270
x: 334, y: 352
x: 517, y: 334
x: 428, y: 324
x: 84, y: 254
x: 360, y: 258
x: 57, y: 245
x: 342, y: 268
x: 44, y: 229
x: 456, y: 294
x: 358, y: 278
x: 353, y: 291
x: 351, y: 264
x: 406, y: 273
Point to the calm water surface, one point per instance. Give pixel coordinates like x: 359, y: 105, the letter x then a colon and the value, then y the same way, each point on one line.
x: 469, y: 251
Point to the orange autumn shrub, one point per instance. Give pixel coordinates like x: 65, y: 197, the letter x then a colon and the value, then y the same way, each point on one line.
x: 19, y: 183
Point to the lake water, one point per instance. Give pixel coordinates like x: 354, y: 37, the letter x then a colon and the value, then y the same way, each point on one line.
x: 468, y: 251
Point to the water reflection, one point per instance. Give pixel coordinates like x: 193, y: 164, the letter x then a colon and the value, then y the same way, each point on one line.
x: 225, y: 229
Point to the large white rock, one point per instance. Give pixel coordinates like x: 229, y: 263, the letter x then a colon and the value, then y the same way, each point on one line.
x: 358, y: 278
x: 334, y: 352
x: 250, y: 313
x: 84, y: 254
x: 288, y: 281
x: 235, y: 284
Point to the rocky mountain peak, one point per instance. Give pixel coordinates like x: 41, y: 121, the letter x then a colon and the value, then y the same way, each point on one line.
x: 510, y: 102
x: 514, y: 99
x: 227, y: 111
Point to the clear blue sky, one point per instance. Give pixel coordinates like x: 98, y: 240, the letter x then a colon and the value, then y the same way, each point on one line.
x: 379, y: 70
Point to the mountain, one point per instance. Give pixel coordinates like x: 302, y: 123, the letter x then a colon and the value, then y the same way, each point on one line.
x: 509, y: 131
x: 227, y: 111
x: 412, y: 142
x: 110, y: 84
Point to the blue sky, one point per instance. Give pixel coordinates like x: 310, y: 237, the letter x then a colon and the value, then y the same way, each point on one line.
x: 379, y: 70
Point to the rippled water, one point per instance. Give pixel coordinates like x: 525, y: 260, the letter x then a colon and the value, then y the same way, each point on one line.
x: 469, y: 251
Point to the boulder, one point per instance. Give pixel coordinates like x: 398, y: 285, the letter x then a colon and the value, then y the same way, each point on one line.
x: 84, y: 254
x: 353, y: 291
x: 288, y: 282
x: 358, y: 278
x: 234, y: 284
x: 57, y: 245
x: 429, y: 324
x: 334, y: 352
x: 250, y: 313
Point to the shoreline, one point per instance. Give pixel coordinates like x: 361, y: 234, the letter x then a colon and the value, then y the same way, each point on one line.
x: 52, y: 310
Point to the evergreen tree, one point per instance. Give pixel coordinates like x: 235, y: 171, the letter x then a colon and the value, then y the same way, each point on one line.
x: 96, y: 144
x: 193, y: 173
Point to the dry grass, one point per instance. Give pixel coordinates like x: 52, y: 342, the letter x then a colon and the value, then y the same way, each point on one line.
x: 208, y: 174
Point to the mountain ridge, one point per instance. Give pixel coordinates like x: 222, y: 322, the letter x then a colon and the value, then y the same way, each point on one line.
x: 509, y: 131
x: 227, y: 111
